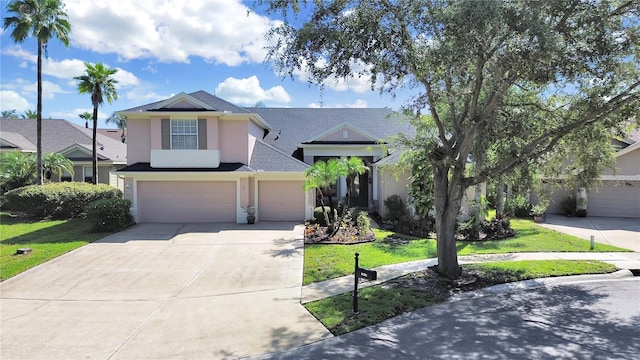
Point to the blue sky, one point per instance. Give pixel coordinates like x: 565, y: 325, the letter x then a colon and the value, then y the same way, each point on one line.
x: 161, y: 48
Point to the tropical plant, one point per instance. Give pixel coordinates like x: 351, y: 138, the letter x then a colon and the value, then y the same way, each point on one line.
x: 42, y: 19
x: 350, y: 168
x: 29, y: 114
x: 321, y: 176
x: 120, y: 122
x: 9, y: 114
x: 98, y: 82
x: 17, y: 169
x: 86, y: 116
x: 56, y: 163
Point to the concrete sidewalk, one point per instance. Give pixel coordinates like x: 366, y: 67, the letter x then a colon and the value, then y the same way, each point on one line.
x: 321, y: 290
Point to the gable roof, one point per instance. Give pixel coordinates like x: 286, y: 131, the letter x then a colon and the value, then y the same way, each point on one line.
x: 342, y: 125
x: 293, y: 126
x: 59, y: 135
x: 16, y: 141
x: 267, y: 158
x: 200, y: 98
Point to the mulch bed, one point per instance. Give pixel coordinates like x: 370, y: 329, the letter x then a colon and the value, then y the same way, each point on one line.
x: 319, y: 235
x: 440, y: 287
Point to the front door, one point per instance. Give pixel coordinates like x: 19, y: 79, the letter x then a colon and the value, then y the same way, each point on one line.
x: 360, y: 191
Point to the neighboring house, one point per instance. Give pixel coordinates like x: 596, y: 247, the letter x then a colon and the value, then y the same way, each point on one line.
x: 72, y: 141
x: 197, y: 158
x: 618, y: 194
x: 116, y: 134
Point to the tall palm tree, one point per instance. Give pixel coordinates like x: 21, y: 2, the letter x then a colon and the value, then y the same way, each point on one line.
x: 42, y: 19
x: 56, y: 163
x: 98, y: 82
x: 29, y: 114
x: 86, y: 116
x: 120, y: 122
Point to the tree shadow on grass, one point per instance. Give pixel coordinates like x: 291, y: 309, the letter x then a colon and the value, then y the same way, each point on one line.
x: 70, y: 231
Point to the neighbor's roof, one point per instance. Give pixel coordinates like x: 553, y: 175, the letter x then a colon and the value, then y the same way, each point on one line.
x: 203, y: 96
x: 292, y: 126
x: 59, y: 135
x: 267, y: 158
x: 17, y: 141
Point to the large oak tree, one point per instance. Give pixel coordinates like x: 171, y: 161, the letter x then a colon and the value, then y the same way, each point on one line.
x: 503, y: 81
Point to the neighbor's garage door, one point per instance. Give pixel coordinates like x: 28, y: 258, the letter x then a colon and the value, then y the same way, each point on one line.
x: 615, y: 199
x: 188, y: 201
x: 281, y: 201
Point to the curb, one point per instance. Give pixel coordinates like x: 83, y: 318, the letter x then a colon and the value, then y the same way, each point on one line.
x: 538, y: 283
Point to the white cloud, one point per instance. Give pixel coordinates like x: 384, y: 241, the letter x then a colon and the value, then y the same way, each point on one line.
x: 10, y: 100
x: 143, y: 97
x: 359, y: 82
x: 359, y: 103
x: 74, y: 115
x: 27, y: 88
x: 248, y: 91
x: 219, y: 31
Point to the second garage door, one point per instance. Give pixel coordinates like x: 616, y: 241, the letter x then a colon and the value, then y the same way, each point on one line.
x: 616, y: 199
x: 281, y: 201
x: 188, y: 201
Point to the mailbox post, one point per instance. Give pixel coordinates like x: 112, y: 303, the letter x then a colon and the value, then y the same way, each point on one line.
x: 360, y: 273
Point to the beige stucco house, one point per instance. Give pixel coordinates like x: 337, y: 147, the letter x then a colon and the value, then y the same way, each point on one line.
x: 72, y: 141
x: 197, y: 158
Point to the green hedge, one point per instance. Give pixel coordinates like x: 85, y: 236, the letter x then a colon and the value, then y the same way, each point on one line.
x: 109, y: 214
x: 59, y: 200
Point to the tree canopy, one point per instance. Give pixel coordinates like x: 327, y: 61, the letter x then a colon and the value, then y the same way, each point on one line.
x: 504, y: 82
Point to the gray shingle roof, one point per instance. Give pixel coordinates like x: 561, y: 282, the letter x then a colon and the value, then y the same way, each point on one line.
x: 267, y: 158
x: 292, y: 126
x: 211, y: 100
x: 58, y: 135
x: 18, y: 141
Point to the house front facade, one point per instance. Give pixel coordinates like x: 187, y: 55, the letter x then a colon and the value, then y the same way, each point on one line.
x: 197, y: 158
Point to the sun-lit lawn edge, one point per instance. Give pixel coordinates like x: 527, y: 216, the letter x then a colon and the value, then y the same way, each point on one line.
x: 323, y: 262
x: 378, y: 303
x: 47, y: 239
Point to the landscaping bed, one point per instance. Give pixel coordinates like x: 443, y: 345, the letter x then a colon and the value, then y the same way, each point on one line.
x: 314, y: 234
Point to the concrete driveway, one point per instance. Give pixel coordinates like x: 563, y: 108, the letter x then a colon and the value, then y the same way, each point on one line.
x: 158, y: 291
x: 621, y: 232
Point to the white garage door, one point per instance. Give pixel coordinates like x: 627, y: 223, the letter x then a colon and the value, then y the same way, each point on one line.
x: 188, y: 201
x: 281, y: 201
x: 616, y: 199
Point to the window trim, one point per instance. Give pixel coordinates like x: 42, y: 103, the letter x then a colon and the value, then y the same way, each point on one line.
x: 171, y: 133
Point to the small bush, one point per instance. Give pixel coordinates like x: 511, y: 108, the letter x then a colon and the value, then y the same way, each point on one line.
x: 363, y: 223
x: 517, y: 206
x: 395, y: 208
x: 59, y: 200
x: 415, y: 227
x: 109, y: 214
x: 568, y: 205
x: 318, y: 215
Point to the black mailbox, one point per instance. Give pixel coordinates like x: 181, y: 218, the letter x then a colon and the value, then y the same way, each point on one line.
x: 370, y: 275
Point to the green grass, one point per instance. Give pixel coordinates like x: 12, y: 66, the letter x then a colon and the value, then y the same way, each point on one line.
x: 322, y: 262
x: 378, y: 303
x: 47, y: 239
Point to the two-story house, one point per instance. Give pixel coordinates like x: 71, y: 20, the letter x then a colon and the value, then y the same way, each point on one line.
x: 197, y: 158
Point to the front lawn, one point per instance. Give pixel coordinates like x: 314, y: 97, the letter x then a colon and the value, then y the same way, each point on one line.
x: 423, y: 288
x: 48, y: 239
x: 322, y: 262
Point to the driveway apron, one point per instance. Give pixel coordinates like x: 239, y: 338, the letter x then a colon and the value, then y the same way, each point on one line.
x: 197, y: 291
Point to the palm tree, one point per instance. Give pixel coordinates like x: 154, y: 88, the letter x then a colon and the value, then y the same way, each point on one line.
x: 350, y: 168
x: 17, y: 169
x: 98, y: 82
x: 120, y: 122
x: 55, y: 163
x: 43, y: 19
x: 321, y: 176
x: 29, y: 114
x: 86, y: 116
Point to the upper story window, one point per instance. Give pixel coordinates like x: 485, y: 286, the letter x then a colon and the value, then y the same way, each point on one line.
x: 184, y: 134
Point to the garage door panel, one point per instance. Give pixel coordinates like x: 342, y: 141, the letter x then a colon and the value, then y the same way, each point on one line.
x: 281, y: 201
x: 193, y: 201
x: 616, y: 199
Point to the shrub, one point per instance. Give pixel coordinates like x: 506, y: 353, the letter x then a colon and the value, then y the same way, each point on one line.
x: 363, y: 223
x: 517, y: 206
x: 415, y: 227
x: 318, y: 215
x: 59, y: 200
x: 395, y: 208
x: 568, y: 205
x: 109, y: 214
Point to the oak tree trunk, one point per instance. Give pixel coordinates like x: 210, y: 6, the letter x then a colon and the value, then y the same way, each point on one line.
x: 448, y: 198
